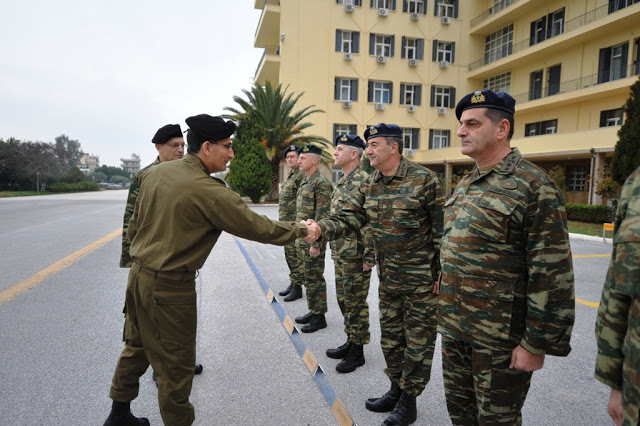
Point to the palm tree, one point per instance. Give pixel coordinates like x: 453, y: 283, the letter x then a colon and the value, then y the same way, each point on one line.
x: 273, y: 109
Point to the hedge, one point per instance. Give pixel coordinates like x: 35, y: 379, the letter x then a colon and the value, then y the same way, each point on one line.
x: 587, y: 213
x: 73, y: 187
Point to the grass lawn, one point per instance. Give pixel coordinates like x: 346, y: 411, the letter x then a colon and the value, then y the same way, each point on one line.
x: 594, y: 229
x: 6, y: 194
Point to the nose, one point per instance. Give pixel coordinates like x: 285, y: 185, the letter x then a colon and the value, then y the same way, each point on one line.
x: 231, y: 154
x: 461, y: 131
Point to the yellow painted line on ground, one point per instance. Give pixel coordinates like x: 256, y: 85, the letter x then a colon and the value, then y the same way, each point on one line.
x: 592, y: 255
x: 38, y: 277
x: 586, y: 302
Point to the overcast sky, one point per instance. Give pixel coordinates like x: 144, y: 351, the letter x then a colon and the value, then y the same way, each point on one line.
x: 110, y: 73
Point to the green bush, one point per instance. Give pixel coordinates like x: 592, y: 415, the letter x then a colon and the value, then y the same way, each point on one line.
x: 73, y: 187
x: 587, y: 213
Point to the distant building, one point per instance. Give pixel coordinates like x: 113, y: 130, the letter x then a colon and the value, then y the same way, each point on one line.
x: 131, y: 165
x: 88, y: 163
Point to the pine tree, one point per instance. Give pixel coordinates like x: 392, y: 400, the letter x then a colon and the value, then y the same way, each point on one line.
x: 626, y: 157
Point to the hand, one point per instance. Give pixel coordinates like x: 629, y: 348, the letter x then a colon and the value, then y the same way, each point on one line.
x: 522, y: 359
x: 436, y: 287
x: 313, y: 230
x: 367, y: 267
x: 314, y: 251
x: 615, y: 406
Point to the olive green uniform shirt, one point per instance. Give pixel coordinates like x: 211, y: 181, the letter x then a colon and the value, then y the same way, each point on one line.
x: 288, y: 195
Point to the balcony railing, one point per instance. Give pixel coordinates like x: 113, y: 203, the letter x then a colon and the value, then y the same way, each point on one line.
x: 503, y: 4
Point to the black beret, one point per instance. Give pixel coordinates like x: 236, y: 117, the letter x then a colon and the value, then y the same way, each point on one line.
x: 486, y: 99
x: 382, y: 129
x: 351, y: 140
x: 167, y: 132
x: 291, y: 148
x: 211, y: 128
x: 310, y: 149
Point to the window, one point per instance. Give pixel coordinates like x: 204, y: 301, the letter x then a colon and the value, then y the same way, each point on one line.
x: 547, y: 27
x: 336, y: 174
x: 541, y: 128
x: 538, y: 32
x: 412, y: 48
x: 554, y: 80
x: 447, y: 8
x: 498, y: 5
x: 345, y: 89
x: 556, y: 23
x: 612, y: 117
x: 535, y: 85
x: 615, y: 5
x: 443, y: 96
x: 414, y: 6
x: 499, y: 44
x: 444, y: 51
x: 381, y: 45
x: 439, y: 138
x: 380, y: 92
x: 411, y: 138
x: 613, y: 63
x: 410, y: 94
x: 347, y: 41
x: 576, y: 178
x: 500, y: 82
x: 352, y: 2
x: 344, y: 129
x: 383, y: 4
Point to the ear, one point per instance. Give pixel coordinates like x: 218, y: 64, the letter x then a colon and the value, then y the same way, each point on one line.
x: 504, y: 128
x: 158, y: 146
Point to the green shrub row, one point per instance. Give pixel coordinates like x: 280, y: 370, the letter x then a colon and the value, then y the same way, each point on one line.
x: 587, y: 213
x: 73, y: 187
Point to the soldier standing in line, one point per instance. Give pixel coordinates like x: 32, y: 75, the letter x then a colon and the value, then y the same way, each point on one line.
x: 353, y: 257
x: 618, y: 362
x: 313, y: 202
x: 507, y: 292
x: 169, y: 143
x: 287, y: 211
x: 402, y: 201
x: 180, y: 213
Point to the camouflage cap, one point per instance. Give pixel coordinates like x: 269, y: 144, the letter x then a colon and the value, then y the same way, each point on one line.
x: 310, y: 149
x: 211, y: 128
x: 382, y: 129
x: 167, y: 132
x: 351, y: 140
x: 291, y: 148
x: 486, y: 99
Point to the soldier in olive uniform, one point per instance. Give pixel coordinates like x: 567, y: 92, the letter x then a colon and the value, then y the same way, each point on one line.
x: 618, y: 362
x: 287, y: 211
x: 402, y: 201
x: 180, y: 213
x: 353, y: 257
x: 313, y: 202
x: 507, y: 292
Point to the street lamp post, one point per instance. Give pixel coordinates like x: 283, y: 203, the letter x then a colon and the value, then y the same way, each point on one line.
x: 38, y: 182
x: 592, y: 179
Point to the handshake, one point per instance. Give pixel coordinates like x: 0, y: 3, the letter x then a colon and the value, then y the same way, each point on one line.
x: 313, y: 230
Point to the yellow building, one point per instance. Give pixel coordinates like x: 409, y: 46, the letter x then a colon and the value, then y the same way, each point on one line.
x: 568, y: 64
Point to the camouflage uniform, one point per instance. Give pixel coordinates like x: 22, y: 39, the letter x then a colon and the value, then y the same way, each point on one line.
x: 348, y: 254
x: 405, y: 214
x: 507, y: 280
x: 618, y: 362
x: 134, y: 189
x: 287, y: 210
x: 313, y: 202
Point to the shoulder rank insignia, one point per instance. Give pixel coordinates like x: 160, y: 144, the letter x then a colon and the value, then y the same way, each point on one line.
x: 477, y: 98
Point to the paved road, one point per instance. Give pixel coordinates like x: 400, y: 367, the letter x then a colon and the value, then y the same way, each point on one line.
x: 60, y: 339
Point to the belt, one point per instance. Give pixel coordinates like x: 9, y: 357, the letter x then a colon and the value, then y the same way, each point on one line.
x: 171, y: 275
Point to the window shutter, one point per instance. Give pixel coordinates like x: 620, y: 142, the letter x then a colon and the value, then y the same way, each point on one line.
x: 355, y: 42
x: 338, y: 40
x: 433, y: 96
x: 625, y: 53
x: 405, y: 6
x: 371, y: 3
x: 390, y: 92
x: 393, y: 42
x: 393, y: 4
x: 415, y: 140
x: 417, y: 95
x: 370, y: 91
x: 435, y: 7
x: 453, y: 52
x: 430, y: 138
x: 402, y: 47
x: 335, y: 131
x: 420, y: 47
x: 354, y: 90
x: 336, y: 89
x: 603, y: 65
x: 532, y: 34
x: 402, y: 93
x: 358, y: 2
x: 452, y: 97
x: 372, y: 44
x: 424, y: 7
x: 434, y: 55
x: 353, y: 129
x: 455, y: 9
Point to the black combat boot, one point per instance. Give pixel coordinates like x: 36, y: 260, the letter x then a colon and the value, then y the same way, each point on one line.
x: 304, y: 319
x: 198, y: 369
x: 354, y: 359
x: 294, y: 294
x: 386, y: 402
x: 317, y: 322
x: 405, y: 412
x: 121, y: 416
x: 341, y: 351
x: 287, y: 290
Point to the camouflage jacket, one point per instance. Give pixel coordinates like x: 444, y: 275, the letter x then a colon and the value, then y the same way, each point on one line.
x: 355, y: 246
x: 618, y: 322
x: 507, y: 274
x: 314, y: 200
x: 405, y: 215
x: 134, y: 190
x: 288, y: 195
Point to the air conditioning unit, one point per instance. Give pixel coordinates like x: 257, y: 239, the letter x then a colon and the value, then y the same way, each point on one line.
x: 446, y: 20
x: 415, y: 16
x: 348, y: 56
x: 411, y: 108
x: 408, y: 153
x: 383, y: 12
x: 382, y: 59
x: 346, y: 104
x: 444, y: 64
x: 379, y: 107
x: 442, y: 110
x: 413, y: 62
x: 349, y: 8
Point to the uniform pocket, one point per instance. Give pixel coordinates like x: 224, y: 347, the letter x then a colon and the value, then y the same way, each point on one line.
x: 486, y: 310
x: 491, y: 218
x: 406, y: 213
x: 175, y: 315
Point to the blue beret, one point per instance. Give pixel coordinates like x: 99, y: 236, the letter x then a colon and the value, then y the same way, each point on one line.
x: 382, y: 129
x: 211, y: 128
x: 291, y: 148
x: 486, y: 99
x: 167, y: 132
x: 310, y: 149
x: 351, y: 140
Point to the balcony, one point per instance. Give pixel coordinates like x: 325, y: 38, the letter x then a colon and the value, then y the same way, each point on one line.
x: 268, y: 69
x: 492, y: 11
x: 268, y: 31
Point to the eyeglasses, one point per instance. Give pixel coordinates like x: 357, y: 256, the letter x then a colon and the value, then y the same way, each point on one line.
x: 226, y: 145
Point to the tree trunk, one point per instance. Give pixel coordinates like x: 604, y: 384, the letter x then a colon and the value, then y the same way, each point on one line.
x: 274, y: 191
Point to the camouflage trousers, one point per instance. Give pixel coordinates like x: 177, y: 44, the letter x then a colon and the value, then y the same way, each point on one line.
x: 352, y: 290
x: 408, y: 336
x: 479, y: 387
x: 160, y: 329
x: 294, y: 263
x: 313, y: 270
x: 630, y: 394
